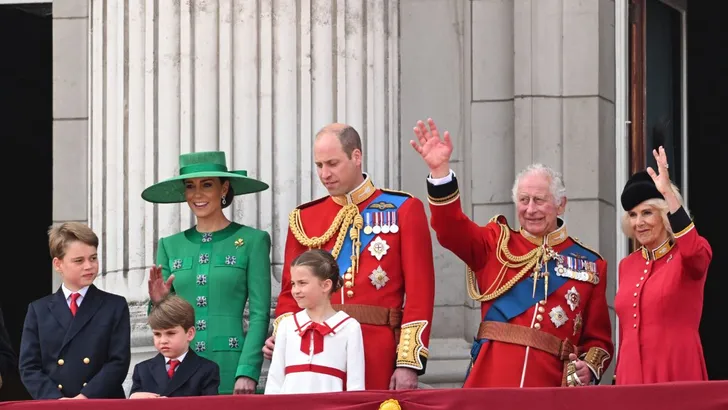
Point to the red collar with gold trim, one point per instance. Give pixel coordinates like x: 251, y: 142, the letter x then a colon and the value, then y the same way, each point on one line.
x: 658, y: 252
x: 554, y: 238
x: 358, y: 195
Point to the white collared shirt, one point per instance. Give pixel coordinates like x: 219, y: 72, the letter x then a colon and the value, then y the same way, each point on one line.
x: 180, y: 358
x: 67, y: 293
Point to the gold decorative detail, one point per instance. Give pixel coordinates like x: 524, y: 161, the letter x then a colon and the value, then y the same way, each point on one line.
x: 390, y: 404
x: 239, y: 242
x: 350, y: 293
x: 277, y: 321
x: 556, y: 237
x: 684, y: 231
x: 358, y: 195
x: 596, y: 358
x: 531, y: 261
x: 578, y: 323
x: 396, y: 192
x: 444, y: 200
x: 381, y: 205
x: 411, y: 349
x: 658, y: 252
x: 348, y: 219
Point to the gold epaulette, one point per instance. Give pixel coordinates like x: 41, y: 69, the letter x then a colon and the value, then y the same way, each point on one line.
x: 500, y: 220
x: 576, y: 240
x: 311, y: 203
x: 395, y: 192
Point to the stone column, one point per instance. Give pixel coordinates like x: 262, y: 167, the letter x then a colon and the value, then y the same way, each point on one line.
x: 253, y: 78
x: 70, y: 115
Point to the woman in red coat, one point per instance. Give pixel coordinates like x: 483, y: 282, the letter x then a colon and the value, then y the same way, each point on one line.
x: 660, y: 296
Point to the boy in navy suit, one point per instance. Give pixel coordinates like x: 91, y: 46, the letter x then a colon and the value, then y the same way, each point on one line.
x: 176, y: 371
x: 75, y: 342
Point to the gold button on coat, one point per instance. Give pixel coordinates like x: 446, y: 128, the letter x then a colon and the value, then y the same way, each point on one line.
x: 60, y: 387
x: 60, y: 362
x: 86, y: 360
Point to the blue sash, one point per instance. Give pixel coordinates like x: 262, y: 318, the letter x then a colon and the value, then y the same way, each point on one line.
x: 344, y: 258
x: 520, y: 298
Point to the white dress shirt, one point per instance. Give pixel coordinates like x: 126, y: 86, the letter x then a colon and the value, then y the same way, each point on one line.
x: 68, y: 293
x: 180, y: 358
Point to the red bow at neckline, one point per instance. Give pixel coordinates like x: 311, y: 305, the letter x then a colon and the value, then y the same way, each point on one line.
x: 315, y: 333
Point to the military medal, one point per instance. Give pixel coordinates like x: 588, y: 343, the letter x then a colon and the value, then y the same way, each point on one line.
x: 379, y: 277
x: 577, y: 269
x: 394, y: 228
x: 378, y: 248
x: 377, y: 229
x: 558, y: 316
x: 572, y: 298
x: 368, y: 227
x: 578, y: 323
x: 385, y: 224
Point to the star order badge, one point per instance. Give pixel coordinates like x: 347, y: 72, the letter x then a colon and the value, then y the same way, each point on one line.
x: 378, y: 248
x: 558, y: 316
x: 578, y: 323
x: 573, y: 298
x: 379, y: 277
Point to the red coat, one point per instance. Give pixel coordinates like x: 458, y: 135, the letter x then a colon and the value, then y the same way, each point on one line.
x: 576, y: 311
x: 659, y: 304
x: 406, y: 269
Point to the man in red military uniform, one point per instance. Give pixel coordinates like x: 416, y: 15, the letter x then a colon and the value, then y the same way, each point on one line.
x: 382, y: 243
x: 545, y: 318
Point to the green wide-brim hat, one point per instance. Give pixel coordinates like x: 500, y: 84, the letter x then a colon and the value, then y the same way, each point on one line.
x: 201, y: 165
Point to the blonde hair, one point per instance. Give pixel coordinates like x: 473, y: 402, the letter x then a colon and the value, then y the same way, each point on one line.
x: 658, y: 204
x: 60, y: 236
x: 171, y: 312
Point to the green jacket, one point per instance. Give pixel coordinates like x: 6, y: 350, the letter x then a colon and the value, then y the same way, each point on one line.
x: 217, y: 273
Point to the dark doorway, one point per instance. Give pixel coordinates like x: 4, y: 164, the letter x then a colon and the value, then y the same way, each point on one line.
x: 707, y: 95
x: 26, y: 132
x: 656, y: 97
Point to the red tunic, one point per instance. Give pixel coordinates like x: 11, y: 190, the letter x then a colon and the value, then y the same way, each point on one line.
x: 586, y: 324
x: 659, y: 304
x: 406, y: 269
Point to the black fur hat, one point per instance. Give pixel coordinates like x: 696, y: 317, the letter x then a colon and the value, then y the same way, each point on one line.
x: 639, y: 188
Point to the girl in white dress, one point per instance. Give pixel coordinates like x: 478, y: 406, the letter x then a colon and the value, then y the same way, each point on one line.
x: 318, y: 350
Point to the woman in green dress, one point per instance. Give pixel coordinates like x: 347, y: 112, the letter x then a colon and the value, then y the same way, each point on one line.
x: 217, y: 265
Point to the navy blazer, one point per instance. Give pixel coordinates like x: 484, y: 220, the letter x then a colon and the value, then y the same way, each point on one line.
x: 62, y: 355
x: 195, y: 376
x: 8, y: 361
